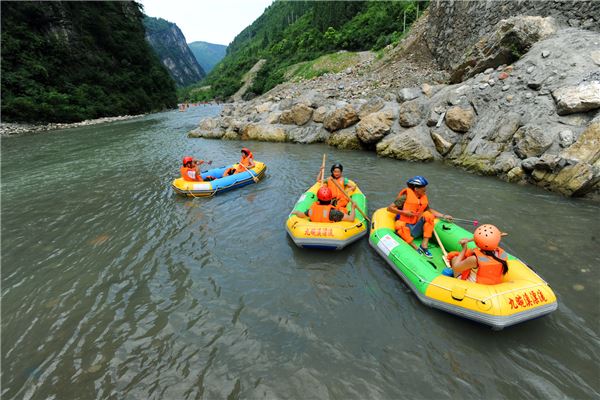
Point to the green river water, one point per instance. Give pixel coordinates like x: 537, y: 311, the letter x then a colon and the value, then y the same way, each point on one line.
x: 114, y: 287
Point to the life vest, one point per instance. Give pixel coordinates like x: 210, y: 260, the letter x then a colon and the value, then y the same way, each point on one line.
x: 245, y: 161
x: 335, y: 192
x: 189, y: 174
x: 488, y: 270
x: 412, y: 203
x: 320, y: 213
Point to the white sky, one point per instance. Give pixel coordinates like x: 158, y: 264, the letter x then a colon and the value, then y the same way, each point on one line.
x: 213, y: 21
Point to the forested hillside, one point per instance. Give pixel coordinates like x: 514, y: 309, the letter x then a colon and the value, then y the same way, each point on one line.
x: 168, y: 42
x: 70, y: 61
x: 208, y: 54
x: 291, y: 32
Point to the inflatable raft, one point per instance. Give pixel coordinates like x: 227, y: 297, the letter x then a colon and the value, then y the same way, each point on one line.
x: 221, y: 184
x: 326, y: 235
x: 522, y: 295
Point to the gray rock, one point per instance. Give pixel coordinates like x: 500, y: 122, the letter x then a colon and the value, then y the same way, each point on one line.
x: 528, y: 164
x: 572, y: 99
x: 374, y: 127
x: 307, y: 134
x: 340, y: 118
x: 414, y: 144
x: 531, y: 141
x: 530, y: 69
x: 506, y: 162
x: 371, y: 106
x: 411, y: 113
x: 408, y: 94
x: 545, y: 54
x: 565, y: 138
x: 505, y: 88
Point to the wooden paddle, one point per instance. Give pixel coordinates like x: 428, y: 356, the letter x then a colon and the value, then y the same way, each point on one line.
x: 444, y: 252
x: 254, y: 178
x: 351, y: 201
x: 321, y: 176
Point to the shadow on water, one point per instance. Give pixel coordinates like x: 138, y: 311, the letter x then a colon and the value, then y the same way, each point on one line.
x: 114, y: 286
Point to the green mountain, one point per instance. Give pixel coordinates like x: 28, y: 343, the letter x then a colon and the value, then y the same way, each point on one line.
x: 289, y: 32
x: 208, y: 54
x: 168, y: 42
x: 70, y: 61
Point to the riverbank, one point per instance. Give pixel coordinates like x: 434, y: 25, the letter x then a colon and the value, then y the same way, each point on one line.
x: 531, y: 118
x: 12, y: 129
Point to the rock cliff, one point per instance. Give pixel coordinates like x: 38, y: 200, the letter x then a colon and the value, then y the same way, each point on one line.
x: 169, y: 44
x: 525, y: 105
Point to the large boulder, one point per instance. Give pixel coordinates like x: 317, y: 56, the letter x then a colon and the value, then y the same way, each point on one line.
x: 345, y: 139
x: 371, y: 106
x: 531, y: 141
x: 412, y: 144
x: 340, y: 118
x: 411, y: 113
x: 320, y: 113
x: 512, y: 38
x: 408, y: 94
x: 209, y: 128
x: 574, y: 99
x: 505, y: 128
x: 311, y: 133
x: 460, y: 119
x: 373, y: 127
x: 299, y: 114
x: 263, y: 132
x: 587, y: 147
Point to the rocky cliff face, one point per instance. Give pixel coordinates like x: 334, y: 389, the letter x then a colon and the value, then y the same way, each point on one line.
x: 169, y: 44
x: 533, y: 120
x: 455, y: 26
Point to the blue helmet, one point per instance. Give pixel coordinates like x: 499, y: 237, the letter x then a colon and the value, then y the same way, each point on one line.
x: 417, y: 181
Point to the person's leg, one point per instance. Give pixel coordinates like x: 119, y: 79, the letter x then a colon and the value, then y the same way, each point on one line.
x: 403, y: 231
x: 427, y: 219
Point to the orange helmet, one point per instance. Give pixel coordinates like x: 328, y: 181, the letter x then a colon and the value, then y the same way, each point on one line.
x: 487, y: 237
x: 187, y: 160
x: 324, y: 194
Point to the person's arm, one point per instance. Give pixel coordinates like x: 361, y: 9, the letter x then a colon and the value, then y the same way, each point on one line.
x: 438, y: 214
x: 460, y: 263
x: 350, y: 217
x: 349, y: 188
x: 300, y: 214
x: 397, y: 205
x: 251, y: 163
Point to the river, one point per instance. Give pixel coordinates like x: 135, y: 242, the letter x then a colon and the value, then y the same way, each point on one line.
x: 115, y: 287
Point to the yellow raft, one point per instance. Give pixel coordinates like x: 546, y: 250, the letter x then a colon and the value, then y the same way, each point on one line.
x: 326, y: 235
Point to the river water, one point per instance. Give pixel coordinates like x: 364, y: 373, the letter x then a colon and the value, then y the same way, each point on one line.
x: 115, y: 287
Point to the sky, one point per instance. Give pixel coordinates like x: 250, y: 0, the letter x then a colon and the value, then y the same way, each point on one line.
x: 213, y: 21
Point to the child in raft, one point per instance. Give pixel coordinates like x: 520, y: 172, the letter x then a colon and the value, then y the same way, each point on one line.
x: 323, y: 211
x: 339, y: 200
x: 190, y: 171
x: 247, y: 161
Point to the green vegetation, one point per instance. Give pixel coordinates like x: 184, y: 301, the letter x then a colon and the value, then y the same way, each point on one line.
x: 335, y: 62
x: 70, y: 61
x: 289, y: 33
x: 208, y: 54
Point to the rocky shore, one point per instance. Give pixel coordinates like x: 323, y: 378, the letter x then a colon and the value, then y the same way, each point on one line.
x: 10, y: 129
x: 525, y: 108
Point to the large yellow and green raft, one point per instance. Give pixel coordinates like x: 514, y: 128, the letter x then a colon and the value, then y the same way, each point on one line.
x: 523, y: 295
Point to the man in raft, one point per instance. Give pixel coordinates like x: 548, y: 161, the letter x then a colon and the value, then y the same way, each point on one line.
x: 339, y: 200
x: 413, y: 215
x: 323, y: 211
x: 487, y: 263
x: 247, y: 160
x: 190, y: 171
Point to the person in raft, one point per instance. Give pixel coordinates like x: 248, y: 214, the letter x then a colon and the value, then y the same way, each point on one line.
x: 339, y: 200
x: 247, y: 160
x: 487, y: 263
x: 413, y: 215
x: 323, y: 211
x: 190, y: 171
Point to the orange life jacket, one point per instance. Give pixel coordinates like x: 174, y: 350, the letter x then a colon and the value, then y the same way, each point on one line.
x: 245, y: 161
x: 488, y: 271
x: 320, y: 212
x: 335, y: 192
x: 414, y: 204
x: 189, y: 174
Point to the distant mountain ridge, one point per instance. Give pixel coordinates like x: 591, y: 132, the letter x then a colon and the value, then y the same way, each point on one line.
x: 207, y: 54
x: 168, y: 42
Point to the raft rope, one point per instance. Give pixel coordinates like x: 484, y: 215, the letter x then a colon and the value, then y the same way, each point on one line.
x: 483, y: 300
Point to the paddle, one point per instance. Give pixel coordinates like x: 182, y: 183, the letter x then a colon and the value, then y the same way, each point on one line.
x: 321, y: 175
x: 444, y: 252
x: 351, y: 201
x: 254, y: 178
